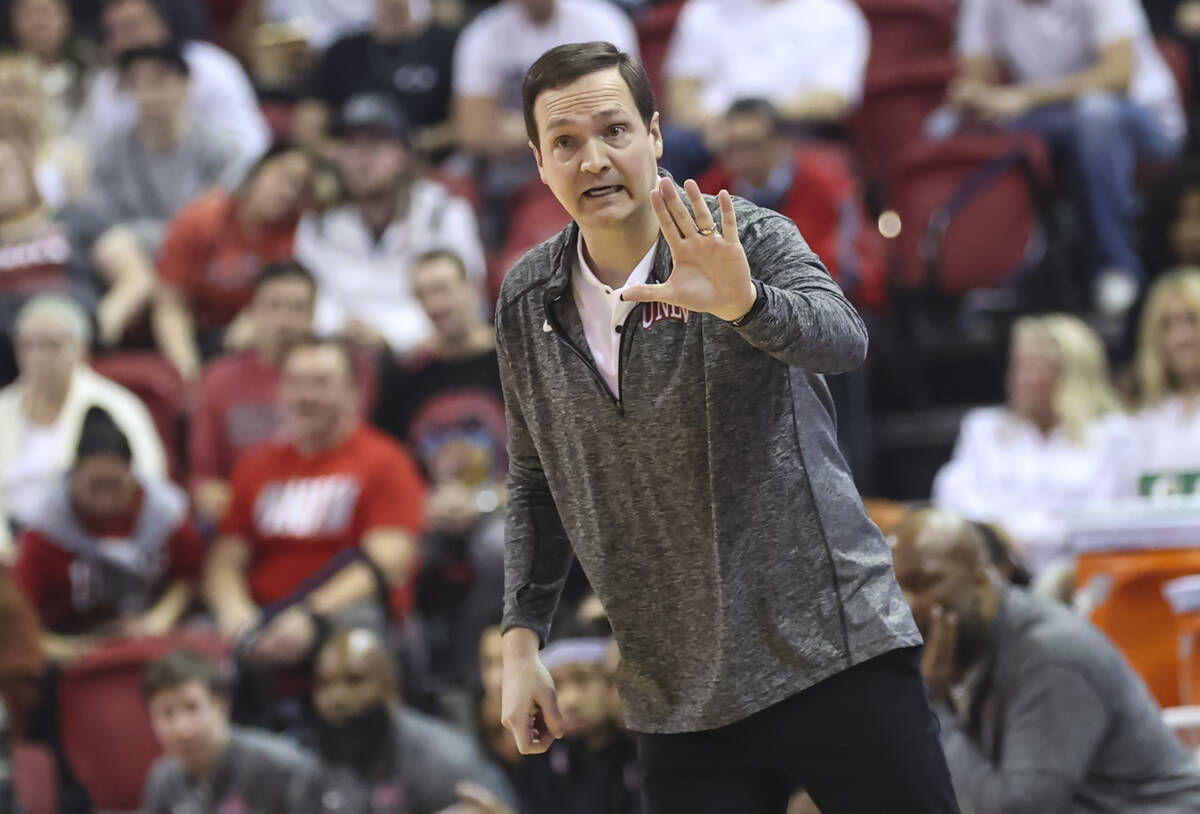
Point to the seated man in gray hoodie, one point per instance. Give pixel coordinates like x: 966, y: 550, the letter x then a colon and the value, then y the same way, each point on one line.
x: 1039, y: 712
x: 210, y: 766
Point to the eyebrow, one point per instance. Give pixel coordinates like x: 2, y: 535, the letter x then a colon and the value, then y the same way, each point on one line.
x: 607, y: 113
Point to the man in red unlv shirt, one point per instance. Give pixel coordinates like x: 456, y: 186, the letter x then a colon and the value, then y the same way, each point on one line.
x: 335, y: 484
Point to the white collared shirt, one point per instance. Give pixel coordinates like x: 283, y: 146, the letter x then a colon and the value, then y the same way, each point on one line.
x: 603, y: 313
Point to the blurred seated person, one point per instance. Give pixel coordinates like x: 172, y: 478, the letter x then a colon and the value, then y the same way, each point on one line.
x: 1089, y: 79
x: 220, y: 93
x: 403, y: 54
x: 333, y: 485
x: 361, y: 253
x: 22, y: 662
x: 445, y: 402
x: 43, y: 31
x: 382, y: 757
x: 209, y: 765
x: 60, y: 162
x: 321, y: 23
x: 108, y: 554
x: 239, y: 393
x: 1039, y: 712
x: 214, y: 249
x: 806, y: 57
x: 1059, y: 444
x: 146, y: 171
x: 42, y: 413
x: 816, y: 189
x: 67, y: 252
x: 1170, y: 222
x: 1167, y: 427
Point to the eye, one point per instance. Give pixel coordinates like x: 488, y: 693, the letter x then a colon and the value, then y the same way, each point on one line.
x: 562, y: 142
x: 617, y: 130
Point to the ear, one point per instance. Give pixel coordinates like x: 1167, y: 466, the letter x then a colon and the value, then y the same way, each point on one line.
x: 537, y: 156
x: 656, y: 135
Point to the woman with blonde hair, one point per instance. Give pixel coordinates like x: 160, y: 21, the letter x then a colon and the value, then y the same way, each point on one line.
x: 1057, y: 445
x: 1168, y: 377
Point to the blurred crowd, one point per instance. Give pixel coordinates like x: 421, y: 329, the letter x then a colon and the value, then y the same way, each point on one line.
x: 248, y: 252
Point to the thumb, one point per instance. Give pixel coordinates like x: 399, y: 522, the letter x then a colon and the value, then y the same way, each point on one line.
x: 547, y: 701
x: 648, y: 292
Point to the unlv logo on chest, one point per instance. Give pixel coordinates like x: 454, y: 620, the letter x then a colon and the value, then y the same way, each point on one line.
x: 653, y: 312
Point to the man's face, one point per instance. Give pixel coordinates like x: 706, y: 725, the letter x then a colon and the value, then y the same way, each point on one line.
x: 448, y: 298
x: 372, y: 163
x: 133, y: 24
x: 317, y: 393
x: 103, y: 487
x: 750, y: 150
x: 280, y: 187
x: 491, y: 661
x: 583, y: 697
x: 160, y: 91
x: 594, y: 152
x: 191, y: 724
x: 41, y: 26
x: 346, y: 684
x: 47, y: 354
x: 283, y: 312
x: 538, y: 10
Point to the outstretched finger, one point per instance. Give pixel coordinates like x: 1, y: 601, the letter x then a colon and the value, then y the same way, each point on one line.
x: 704, y: 218
x: 728, y: 217
x: 648, y: 292
x: 666, y: 223
x: 683, y: 218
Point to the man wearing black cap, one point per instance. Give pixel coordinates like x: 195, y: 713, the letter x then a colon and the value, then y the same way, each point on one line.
x: 361, y: 253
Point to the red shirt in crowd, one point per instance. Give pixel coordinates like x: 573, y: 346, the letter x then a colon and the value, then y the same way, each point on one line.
x: 297, y: 511
x: 71, y: 595
x: 209, y: 258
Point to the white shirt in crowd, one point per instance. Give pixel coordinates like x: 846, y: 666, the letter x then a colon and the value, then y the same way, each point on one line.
x: 499, y: 46
x: 1004, y: 470
x: 361, y: 279
x: 1050, y: 39
x: 1168, y: 439
x: 220, y: 95
x: 322, y: 21
x: 777, y: 50
x: 603, y: 313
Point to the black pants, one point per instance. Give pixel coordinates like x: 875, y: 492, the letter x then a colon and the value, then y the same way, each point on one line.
x: 861, y: 742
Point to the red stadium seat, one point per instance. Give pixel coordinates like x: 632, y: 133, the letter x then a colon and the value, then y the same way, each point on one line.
x: 459, y: 183
x: 893, y: 112
x: 536, y: 215
x: 968, y: 210
x: 1175, y: 54
x: 654, y: 29
x: 104, y: 727
x: 36, y: 779
x: 160, y: 387
x: 904, y: 31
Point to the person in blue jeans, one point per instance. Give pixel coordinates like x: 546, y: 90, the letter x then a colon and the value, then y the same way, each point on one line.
x: 1088, y: 78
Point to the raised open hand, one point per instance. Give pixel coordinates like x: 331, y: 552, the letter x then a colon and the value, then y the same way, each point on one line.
x: 711, y: 273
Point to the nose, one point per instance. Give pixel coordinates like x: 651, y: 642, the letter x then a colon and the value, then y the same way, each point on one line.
x: 595, y: 160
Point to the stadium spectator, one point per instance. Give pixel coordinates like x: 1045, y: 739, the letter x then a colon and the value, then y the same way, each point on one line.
x: 1059, y: 444
x: 22, y: 662
x: 446, y: 403
x: 295, y: 505
x: 214, y: 249
x: 806, y: 57
x: 815, y: 188
x: 1170, y: 223
x: 107, y: 553
x: 1167, y: 428
x: 220, y: 93
x: 43, y: 31
x: 42, y: 413
x: 405, y: 55
x: 65, y: 252
x: 1088, y: 78
x: 382, y: 756
x: 209, y: 765
x: 1039, y: 712
x: 61, y: 165
x: 239, y: 394
x: 146, y: 171
x: 361, y: 252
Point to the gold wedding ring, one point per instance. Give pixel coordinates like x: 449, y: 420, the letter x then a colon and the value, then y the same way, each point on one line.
x: 707, y: 231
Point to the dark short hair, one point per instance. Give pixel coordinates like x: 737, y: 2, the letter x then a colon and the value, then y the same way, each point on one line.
x: 279, y: 147
x: 183, y: 667
x: 564, y: 64
x: 169, y: 56
x: 285, y: 270
x: 758, y: 108
x: 338, y: 343
x: 435, y: 255
x: 101, y: 436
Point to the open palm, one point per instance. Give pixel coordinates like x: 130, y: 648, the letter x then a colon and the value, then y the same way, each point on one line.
x: 711, y: 273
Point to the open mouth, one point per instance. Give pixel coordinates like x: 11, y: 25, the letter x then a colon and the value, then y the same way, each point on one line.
x: 603, y: 192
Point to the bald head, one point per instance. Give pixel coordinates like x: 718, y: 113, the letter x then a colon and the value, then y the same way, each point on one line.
x: 353, y: 672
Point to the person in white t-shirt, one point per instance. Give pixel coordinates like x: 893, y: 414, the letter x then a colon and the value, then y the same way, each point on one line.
x: 361, y: 253
x: 1059, y: 444
x: 220, y: 94
x: 1087, y: 77
x: 1168, y: 374
x: 806, y: 57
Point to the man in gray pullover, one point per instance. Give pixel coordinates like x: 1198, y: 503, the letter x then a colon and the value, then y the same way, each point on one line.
x: 661, y: 361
